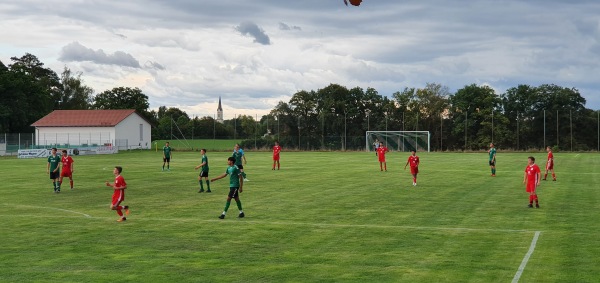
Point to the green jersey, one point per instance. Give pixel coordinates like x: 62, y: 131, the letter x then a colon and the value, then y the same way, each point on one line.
x: 492, y: 153
x: 204, y: 167
x: 234, y: 176
x: 238, y: 157
x: 53, y: 161
x: 167, y: 151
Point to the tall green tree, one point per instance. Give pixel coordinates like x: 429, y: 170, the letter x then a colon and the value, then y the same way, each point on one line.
x: 471, y: 112
x: 28, y: 91
x: 73, y: 93
x: 124, y: 98
x: 518, y: 105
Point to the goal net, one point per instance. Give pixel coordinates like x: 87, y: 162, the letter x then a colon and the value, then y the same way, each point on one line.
x: 399, y: 140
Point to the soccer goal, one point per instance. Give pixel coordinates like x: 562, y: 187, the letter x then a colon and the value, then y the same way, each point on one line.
x: 399, y: 140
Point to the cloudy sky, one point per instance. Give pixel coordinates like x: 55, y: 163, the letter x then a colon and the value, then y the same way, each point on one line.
x: 187, y: 53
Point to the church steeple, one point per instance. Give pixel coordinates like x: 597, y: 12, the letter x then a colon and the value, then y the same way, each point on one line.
x: 220, y: 112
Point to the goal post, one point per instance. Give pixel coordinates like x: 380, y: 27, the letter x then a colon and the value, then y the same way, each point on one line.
x: 399, y: 140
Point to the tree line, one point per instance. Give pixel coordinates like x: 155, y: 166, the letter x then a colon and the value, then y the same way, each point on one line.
x: 332, y: 118
x: 522, y: 118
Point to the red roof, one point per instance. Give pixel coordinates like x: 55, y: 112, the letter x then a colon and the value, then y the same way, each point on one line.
x: 83, y: 118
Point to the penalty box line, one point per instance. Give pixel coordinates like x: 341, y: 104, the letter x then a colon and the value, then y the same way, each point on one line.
x: 526, y: 257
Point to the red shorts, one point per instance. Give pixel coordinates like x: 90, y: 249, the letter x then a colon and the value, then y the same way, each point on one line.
x: 381, y: 157
x: 276, y: 157
x: 66, y: 173
x: 531, y: 187
x: 414, y: 170
x: 118, y: 197
x: 549, y: 165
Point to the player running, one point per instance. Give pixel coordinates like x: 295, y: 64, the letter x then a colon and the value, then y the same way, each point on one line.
x: 550, y: 164
x: 492, y: 161
x: 119, y: 194
x: 53, y: 169
x: 276, y: 151
x: 203, y: 172
x: 532, y: 178
x: 236, y: 184
x: 381, y: 151
x: 67, y: 168
x: 167, y: 157
x: 414, y: 161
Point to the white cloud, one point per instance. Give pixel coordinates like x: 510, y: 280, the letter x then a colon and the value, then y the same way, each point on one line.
x: 188, y: 53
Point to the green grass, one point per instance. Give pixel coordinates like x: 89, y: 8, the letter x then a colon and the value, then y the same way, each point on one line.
x: 186, y: 145
x: 324, y: 217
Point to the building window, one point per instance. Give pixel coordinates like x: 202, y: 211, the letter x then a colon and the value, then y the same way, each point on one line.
x: 141, y: 132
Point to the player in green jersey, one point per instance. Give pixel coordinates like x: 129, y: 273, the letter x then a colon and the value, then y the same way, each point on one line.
x: 236, y: 184
x: 492, y: 160
x: 203, y: 172
x: 167, y: 156
x: 53, y: 169
x: 238, y: 154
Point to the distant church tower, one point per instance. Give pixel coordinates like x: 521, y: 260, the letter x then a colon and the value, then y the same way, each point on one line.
x: 220, y: 112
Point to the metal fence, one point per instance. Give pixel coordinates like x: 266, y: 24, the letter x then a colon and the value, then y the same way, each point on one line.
x: 10, y: 144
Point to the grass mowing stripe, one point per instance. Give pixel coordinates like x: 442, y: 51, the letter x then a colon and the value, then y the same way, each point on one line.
x: 526, y: 258
x: 267, y: 223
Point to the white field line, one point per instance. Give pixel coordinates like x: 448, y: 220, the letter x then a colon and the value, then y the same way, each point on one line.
x: 526, y: 258
x: 53, y: 208
x: 245, y: 221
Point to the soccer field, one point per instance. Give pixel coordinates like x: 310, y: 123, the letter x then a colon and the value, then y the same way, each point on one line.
x: 324, y: 217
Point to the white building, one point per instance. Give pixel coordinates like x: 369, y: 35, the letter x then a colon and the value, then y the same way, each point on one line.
x: 125, y: 129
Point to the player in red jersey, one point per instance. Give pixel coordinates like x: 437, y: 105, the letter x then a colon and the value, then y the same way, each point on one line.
x: 67, y: 168
x: 414, y: 161
x: 550, y: 164
x: 532, y: 178
x: 119, y: 194
x: 276, y: 151
x: 381, y: 151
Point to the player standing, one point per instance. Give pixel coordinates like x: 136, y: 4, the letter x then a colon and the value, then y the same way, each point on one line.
x: 550, y: 164
x: 276, y: 151
x: 236, y: 183
x: 376, y: 146
x: 67, y: 168
x: 414, y: 161
x: 203, y: 172
x: 532, y: 178
x: 238, y: 154
x: 119, y: 194
x: 492, y: 160
x: 381, y: 151
x: 53, y: 169
x: 166, y: 156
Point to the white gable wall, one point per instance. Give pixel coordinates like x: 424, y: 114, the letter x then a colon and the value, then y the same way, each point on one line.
x: 135, y: 130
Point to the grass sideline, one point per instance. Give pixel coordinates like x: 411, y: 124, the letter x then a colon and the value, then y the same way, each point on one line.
x: 325, y: 217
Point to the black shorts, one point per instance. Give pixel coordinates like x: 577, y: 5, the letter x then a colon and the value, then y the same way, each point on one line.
x: 203, y: 174
x: 54, y: 175
x: 240, y: 166
x: 166, y: 159
x: 492, y: 163
x: 233, y: 192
